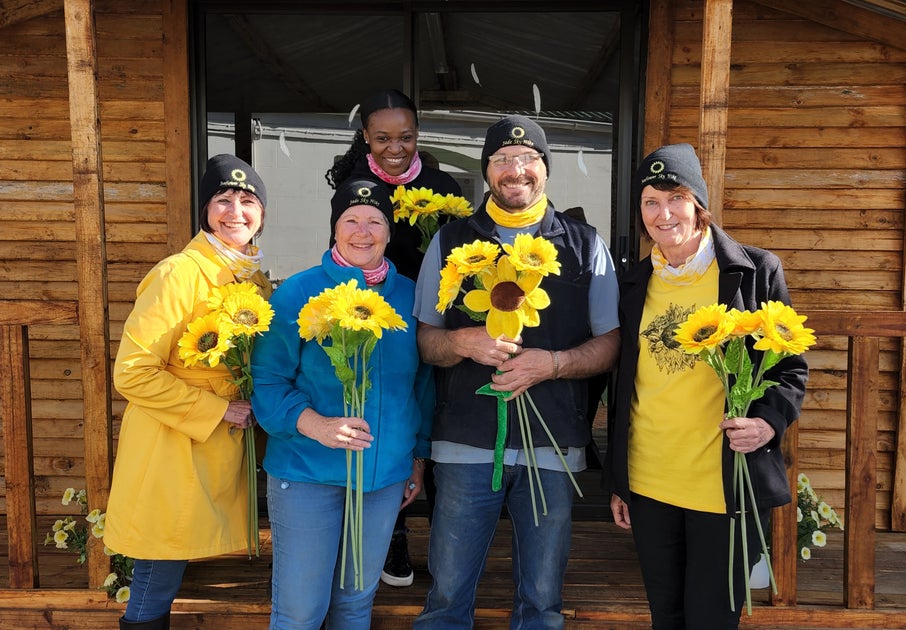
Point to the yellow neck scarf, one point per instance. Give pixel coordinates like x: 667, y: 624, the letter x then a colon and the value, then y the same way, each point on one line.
x: 531, y: 215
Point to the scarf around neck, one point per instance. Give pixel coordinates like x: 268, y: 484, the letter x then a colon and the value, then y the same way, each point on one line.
x: 372, y: 276
x: 415, y: 168
x: 530, y: 216
x: 243, y: 266
x: 689, y: 272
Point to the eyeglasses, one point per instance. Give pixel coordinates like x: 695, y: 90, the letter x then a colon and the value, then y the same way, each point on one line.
x: 506, y: 161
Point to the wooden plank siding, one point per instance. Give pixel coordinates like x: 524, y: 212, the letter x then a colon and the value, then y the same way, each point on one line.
x: 815, y: 167
x: 143, y: 160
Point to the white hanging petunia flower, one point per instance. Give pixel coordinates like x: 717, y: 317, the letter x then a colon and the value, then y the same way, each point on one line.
x: 819, y: 538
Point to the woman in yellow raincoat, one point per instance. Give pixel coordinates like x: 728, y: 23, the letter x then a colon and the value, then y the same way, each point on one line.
x: 180, y: 489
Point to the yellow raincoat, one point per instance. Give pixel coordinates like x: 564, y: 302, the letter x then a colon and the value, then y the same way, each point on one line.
x: 179, y: 483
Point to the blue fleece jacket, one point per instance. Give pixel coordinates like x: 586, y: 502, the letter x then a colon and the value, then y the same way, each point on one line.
x: 291, y: 375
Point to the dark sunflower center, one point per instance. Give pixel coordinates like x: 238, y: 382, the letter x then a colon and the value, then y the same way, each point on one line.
x: 785, y: 333
x: 207, y: 341
x: 362, y: 311
x: 704, y: 332
x: 532, y: 259
x: 507, y: 296
x: 475, y: 259
x: 246, y: 317
x: 421, y: 203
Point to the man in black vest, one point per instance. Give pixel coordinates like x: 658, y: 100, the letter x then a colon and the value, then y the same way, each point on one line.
x: 577, y: 338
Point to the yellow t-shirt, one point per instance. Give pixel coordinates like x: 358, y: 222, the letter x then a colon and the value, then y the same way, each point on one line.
x: 675, y: 444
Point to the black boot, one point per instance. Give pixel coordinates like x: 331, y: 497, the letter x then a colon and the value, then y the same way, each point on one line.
x: 161, y: 623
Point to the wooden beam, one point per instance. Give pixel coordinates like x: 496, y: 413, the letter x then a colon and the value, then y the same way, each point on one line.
x: 784, y: 550
x: 91, y: 262
x: 177, y: 114
x: 847, y: 18
x: 16, y: 11
x: 15, y: 409
x: 717, y: 33
x: 31, y: 312
x: 657, y: 75
x: 861, y: 473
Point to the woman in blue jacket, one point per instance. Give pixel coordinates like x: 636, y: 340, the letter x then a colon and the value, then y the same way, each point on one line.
x: 298, y: 401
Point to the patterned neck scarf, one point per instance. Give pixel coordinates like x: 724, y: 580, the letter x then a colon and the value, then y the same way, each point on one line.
x: 690, y: 271
x: 415, y: 167
x: 243, y: 266
x: 530, y: 216
x: 372, y: 276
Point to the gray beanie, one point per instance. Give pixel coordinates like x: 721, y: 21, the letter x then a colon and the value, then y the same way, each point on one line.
x: 674, y: 164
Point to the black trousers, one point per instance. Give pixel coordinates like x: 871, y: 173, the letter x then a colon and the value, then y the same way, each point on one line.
x: 684, y: 556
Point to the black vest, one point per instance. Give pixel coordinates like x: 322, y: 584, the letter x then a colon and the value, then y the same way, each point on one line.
x: 464, y: 417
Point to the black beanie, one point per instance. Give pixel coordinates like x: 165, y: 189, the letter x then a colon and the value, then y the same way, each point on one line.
x: 512, y: 131
x: 673, y: 163
x: 228, y: 171
x: 359, y: 192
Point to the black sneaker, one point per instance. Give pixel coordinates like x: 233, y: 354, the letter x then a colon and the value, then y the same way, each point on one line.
x: 397, y: 569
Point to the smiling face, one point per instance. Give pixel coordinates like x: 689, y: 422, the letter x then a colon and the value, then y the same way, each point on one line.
x: 234, y: 216
x: 671, y: 221
x: 362, y: 234
x: 516, y: 186
x: 392, y: 135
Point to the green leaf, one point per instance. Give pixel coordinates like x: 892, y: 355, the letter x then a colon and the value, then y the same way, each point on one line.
x: 474, y: 316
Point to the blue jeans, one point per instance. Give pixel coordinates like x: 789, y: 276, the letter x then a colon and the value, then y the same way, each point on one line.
x: 466, y: 513
x: 153, y: 589
x: 306, y: 528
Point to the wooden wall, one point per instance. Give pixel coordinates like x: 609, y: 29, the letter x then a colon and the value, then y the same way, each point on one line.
x: 143, y: 154
x: 815, y: 163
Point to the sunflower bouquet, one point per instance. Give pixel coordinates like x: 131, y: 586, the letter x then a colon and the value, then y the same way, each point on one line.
x: 507, y: 296
x: 813, y: 516
x: 347, y: 323
x: 423, y: 208
x: 718, y: 337
x: 226, y: 334
x: 72, y: 535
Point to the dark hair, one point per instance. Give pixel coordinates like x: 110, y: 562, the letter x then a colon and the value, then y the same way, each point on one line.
x: 702, y: 214
x: 385, y: 99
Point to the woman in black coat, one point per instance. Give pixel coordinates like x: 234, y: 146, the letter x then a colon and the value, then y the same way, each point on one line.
x: 671, y: 449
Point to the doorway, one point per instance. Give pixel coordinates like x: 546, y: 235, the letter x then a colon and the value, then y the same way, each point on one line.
x: 279, y: 87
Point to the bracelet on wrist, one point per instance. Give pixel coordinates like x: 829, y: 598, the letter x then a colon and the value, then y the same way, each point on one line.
x: 555, y: 357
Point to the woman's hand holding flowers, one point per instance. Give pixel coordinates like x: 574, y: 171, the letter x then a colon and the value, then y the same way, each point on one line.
x: 747, y: 435
x: 239, y: 413
x: 353, y: 434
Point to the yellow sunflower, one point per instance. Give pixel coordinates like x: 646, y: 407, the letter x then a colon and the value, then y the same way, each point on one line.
x: 747, y: 323
x: 422, y: 202
x: 454, y: 205
x: 204, y: 341
x: 528, y: 253
x: 475, y: 257
x: 450, y: 283
x: 400, y: 201
x: 512, y: 300
x: 364, y: 309
x: 221, y: 293
x: 706, y: 329
x: 783, y: 330
x: 315, y: 319
x: 246, y: 314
